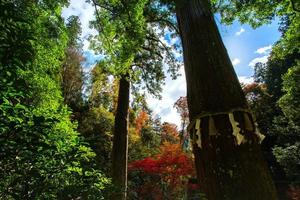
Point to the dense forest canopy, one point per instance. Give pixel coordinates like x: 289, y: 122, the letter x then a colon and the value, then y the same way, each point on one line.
x: 66, y: 133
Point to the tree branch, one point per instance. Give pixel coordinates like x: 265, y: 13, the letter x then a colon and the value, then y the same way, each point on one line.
x: 170, y: 55
x: 151, y: 51
x: 169, y: 23
x: 98, y: 19
x: 102, y: 6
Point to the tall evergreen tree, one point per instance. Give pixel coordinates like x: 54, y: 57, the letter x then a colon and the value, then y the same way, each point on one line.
x: 134, y: 53
x: 225, y: 154
x: 72, y: 72
x: 210, y: 75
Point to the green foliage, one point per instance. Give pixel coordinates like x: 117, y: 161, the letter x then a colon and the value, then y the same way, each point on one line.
x: 288, y: 151
x: 141, y: 146
x: 96, y: 126
x: 102, y: 92
x: 131, y: 44
x: 74, y: 31
x: 42, y: 157
x: 121, y: 27
x: 276, y: 105
x: 270, y: 74
x: 254, y: 12
x: 289, y: 158
x: 144, y: 135
x: 290, y: 101
x: 290, y: 42
x: 97, y: 118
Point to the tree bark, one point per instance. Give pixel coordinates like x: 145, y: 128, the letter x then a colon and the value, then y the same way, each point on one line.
x: 120, y: 142
x: 225, y: 170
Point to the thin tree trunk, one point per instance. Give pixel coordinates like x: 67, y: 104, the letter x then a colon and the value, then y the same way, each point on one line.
x: 225, y: 170
x: 120, y: 142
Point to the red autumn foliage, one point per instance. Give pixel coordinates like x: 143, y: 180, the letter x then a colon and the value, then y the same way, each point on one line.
x: 171, y: 164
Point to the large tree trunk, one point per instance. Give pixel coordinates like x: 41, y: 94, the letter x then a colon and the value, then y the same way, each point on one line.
x: 225, y: 170
x: 120, y: 142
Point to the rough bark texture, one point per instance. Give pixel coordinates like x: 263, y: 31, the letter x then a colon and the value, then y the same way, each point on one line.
x: 226, y: 171
x: 120, y: 142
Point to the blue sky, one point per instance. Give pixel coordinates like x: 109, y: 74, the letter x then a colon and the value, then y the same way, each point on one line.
x: 245, y: 46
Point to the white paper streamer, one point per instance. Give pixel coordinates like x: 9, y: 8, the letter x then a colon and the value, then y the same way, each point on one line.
x: 195, y: 129
x: 260, y: 136
x: 198, y: 132
x: 236, y: 130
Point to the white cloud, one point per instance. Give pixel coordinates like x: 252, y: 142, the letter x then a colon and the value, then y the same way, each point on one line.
x: 235, y: 61
x: 264, y: 50
x: 240, y: 32
x: 172, y: 90
x: 246, y: 79
x: 263, y: 59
